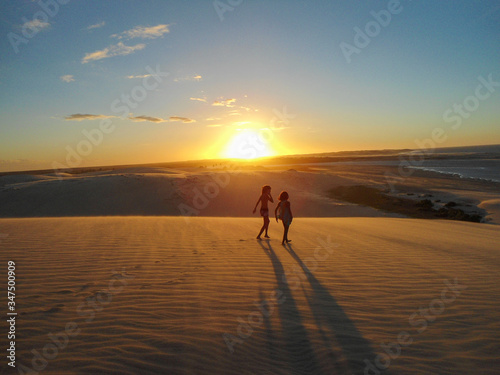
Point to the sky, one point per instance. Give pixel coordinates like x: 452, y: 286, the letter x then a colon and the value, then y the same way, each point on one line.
x: 88, y: 83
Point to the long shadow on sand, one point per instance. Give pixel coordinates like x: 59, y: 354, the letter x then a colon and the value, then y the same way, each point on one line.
x: 298, y: 346
x: 328, y: 313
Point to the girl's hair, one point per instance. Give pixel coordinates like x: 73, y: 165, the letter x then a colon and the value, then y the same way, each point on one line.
x: 265, y: 187
x: 283, y: 196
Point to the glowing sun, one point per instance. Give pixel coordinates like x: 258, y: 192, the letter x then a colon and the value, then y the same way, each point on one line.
x: 249, y: 144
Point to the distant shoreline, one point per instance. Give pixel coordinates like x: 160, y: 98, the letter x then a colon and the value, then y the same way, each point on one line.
x: 465, y: 152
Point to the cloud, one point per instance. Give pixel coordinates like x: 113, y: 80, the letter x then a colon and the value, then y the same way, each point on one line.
x: 143, y: 32
x: 119, y: 49
x: 183, y: 119
x: 96, y: 26
x: 196, y: 78
x: 199, y: 99
x: 80, y: 117
x: 67, y: 78
x: 36, y: 24
x: 147, y: 118
x: 141, y: 76
x: 224, y: 103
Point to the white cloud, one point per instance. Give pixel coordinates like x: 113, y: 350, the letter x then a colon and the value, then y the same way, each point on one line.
x: 80, y: 117
x: 141, y: 76
x: 147, y: 118
x: 199, y: 99
x: 119, y: 49
x: 196, y: 78
x: 143, y: 32
x: 67, y: 78
x: 96, y: 26
x: 224, y: 103
x: 36, y: 24
x: 183, y: 119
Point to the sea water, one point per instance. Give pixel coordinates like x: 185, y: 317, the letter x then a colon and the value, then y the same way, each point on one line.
x: 476, y: 162
x: 479, y: 162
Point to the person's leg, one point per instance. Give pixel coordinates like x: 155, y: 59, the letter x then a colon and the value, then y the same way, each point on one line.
x: 262, y: 229
x: 285, y: 236
x: 266, y: 225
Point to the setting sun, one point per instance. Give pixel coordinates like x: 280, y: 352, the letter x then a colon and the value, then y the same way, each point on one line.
x: 248, y: 144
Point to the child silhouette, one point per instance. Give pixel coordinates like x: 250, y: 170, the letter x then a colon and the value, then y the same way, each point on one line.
x: 264, y: 209
x: 284, y: 213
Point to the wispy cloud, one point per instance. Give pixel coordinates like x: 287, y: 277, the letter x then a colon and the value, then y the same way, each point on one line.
x: 80, y: 117
x: 152, y: 32
x: 224, y: 103
x: 96, y: 26
x: 67, y: 78
x: 183, y: 119
x: 199, y: 99
x: 119, y: 49
x: 147, y: 118
x: 196, y: 78
x: 36, y: 24
x: 140, y: 76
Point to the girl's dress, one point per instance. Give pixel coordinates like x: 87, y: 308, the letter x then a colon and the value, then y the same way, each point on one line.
x: 284, y: 212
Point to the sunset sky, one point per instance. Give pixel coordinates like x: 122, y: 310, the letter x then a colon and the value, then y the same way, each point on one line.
x: 156, y: 81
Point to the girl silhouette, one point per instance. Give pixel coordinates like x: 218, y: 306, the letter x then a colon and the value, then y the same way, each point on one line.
x: 264, y: 209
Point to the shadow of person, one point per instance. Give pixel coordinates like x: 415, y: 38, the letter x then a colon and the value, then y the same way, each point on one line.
x: 300, y: 353
x: 271, y: 340
x: 328, y: 313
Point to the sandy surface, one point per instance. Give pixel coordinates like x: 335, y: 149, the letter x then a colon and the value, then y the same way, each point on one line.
x: 160, y: 191
x: 159, y: 295
x: 232, y: 192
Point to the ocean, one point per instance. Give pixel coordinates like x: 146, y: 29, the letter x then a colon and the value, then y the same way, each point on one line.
x: 477, y: 162
x: 471, y: 162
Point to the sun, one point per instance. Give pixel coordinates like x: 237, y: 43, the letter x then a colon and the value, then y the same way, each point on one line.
x: 249, y: 144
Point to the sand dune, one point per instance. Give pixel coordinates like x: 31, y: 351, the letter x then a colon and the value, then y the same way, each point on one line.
x: 148, y: 191
x: 160, y: 191
x: 159, y: 295
x: 493, y: 207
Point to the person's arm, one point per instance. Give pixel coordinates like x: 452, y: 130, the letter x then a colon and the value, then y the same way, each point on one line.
x: 271, y: 198
x: 290, y: 209
x: 276, y: 212
x: 256, y: 204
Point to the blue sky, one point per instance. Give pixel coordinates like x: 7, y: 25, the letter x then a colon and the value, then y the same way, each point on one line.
x: 233, y: 69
